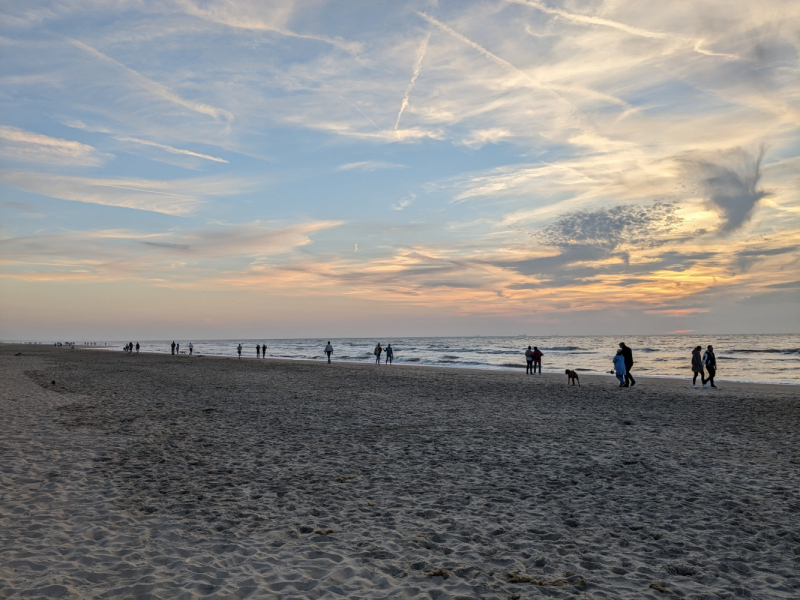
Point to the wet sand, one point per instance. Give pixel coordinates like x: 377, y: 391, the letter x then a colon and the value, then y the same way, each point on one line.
x: 156, y: 476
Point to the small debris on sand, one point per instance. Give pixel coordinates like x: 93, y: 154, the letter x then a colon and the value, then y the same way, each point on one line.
x: 325, y: 531
x: 443, y: 573
x: 343, y: 478
x: 660, y: 588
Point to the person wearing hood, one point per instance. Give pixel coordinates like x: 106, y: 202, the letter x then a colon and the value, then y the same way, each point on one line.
x: 619, y: 367
x: 710, y: 362
x: 628, y: 354
x: 697, y: 367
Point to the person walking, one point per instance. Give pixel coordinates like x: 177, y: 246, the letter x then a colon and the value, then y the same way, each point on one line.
x: 173, y: 347
x: 710, y: 362
x: 628, y: 354
x: 697, y: 367
x: 263, y: 351
x: 389, y: 354
x: 619, y: 367
x: 537, y: 359
x: 329, y: 351
x: 378, y: 351
x: 258, y: 350
x: 239, y: 350
x: 191, y: 347
x: 528, y: 361
x: 137, y: 348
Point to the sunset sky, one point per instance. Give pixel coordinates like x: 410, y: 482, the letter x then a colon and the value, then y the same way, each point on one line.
x: 243, y: 168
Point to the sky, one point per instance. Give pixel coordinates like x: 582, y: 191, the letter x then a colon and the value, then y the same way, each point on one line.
x: 245, y: 168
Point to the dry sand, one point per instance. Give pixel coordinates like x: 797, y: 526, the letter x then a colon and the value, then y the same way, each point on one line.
x: 183, y: 477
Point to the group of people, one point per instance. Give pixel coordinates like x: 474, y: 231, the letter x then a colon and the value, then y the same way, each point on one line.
x: 533, y: 358
x: 129, y: 347
x: 261, y: 351
x: 709, y: 361
x: 176, y: 348
x: 379, y: 350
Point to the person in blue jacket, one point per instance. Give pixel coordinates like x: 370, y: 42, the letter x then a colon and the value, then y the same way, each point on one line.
x: 619, y: 367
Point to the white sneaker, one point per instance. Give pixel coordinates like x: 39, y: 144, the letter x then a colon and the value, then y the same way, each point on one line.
x: 695, y: 386
x: 705, y: 385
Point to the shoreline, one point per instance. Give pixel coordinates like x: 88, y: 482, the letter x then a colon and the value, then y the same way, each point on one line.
x: 507, y: 370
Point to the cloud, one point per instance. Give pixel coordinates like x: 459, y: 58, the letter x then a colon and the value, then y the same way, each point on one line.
x: 175, y: 197
x: 784, y: 286
x: 479, y: 137
x: 368, y: 165
x: 155, y: 88
x: 404, y: 202
x: 18, y: 144
x: 609, y: 228
x: 730, y: 183
x: 171, y: 149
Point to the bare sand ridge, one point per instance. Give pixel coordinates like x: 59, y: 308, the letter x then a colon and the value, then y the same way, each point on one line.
x: 183, y: 477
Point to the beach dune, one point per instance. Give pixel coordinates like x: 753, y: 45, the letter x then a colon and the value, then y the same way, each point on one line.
x: 157, y: 476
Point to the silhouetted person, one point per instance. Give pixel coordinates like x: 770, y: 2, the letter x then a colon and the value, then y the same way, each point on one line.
x: 378, y: 351
x: 173, y: 347
x: 389, y: 354
x: 137, y: 347
x: 177, y: 348
x: 191, y: 347
x: 628, y: 354
x: 697, y: 367
x: 264, y: 351
x: 528, y: 361
x: 258, y: 350
x: 537, y: 359
x: 619, y: 367
x: 239, y: 350
x: 329, y: 351
x: 710, y: 362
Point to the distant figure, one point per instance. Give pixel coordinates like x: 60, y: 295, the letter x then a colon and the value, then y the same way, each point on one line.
x: 697, y: 367
x: 130, y: 347
x: 329, y: 351
x: 264, y: 351
x: 710, y: 362
x: 619, y: 367
x: 528, y: 361
x: 537, y: 359
x: 173, y: 347
x: 191, y: 347
x: 628, y: 354
x: 389, y: 354
x: 239, y: 350
x: 137, y: 348
x: 258, y: 350
x: 378, y: 351
x: 177, y: 349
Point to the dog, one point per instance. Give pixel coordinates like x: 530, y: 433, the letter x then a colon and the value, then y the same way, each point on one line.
x: 572, y: 376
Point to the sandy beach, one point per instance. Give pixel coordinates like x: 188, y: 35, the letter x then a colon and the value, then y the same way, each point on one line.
x: 156, y: 476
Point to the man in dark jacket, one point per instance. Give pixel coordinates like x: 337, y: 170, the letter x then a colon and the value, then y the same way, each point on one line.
x: 697, y: 367
x: 628, y: 354
x: 710, y: 362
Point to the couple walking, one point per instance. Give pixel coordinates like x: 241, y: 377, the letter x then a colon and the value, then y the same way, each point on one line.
x: 533, y: 358
x: 709, y: 361
x: 623, y: 363
x: 389, y: 354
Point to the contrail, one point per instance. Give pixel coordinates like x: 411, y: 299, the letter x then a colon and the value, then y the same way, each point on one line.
x: 361, y: 111
x: 417, y: 68
x: 170, y: 148
x: 508, y: 66
x: 589, y: 20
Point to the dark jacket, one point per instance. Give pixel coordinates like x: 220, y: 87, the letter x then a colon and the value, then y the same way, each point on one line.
x: 697, y: 362
x: 628, y: 354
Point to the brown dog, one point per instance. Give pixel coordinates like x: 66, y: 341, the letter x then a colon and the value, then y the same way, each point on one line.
x: 572, y: 376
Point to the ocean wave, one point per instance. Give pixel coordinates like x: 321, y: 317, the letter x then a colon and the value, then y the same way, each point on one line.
x: 562, y: 348
x: 649, y: 350
x: 766, y: 351
x: 512, y: 365
x: 410, y: 360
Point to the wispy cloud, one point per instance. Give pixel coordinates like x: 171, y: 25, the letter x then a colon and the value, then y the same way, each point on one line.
x: 171, y: 149
x: 18, y: 144
x: 368, y: 165
x: 155, y: 88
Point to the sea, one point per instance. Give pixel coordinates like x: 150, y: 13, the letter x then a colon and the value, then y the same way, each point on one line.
x: 752, y: 358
